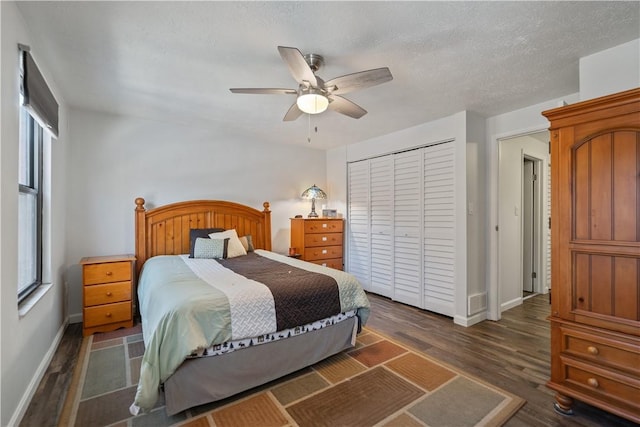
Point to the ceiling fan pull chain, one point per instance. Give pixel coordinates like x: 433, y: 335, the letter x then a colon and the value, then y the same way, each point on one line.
x: 309, y: 129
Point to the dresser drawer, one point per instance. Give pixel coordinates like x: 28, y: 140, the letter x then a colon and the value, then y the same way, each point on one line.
x: 106, y: 272
x: 321, y: 226
x: 323, y: 239
x: 601, y: 350
x: 331, y: 263
x: 106, y: 314
x: 322, y: 252
x: 107, y: 293
x: 602, y: 384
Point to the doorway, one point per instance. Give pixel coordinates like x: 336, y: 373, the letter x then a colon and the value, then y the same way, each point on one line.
x: 522, y: 216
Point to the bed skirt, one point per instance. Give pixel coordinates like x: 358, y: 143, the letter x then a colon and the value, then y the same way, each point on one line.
x: 208, y: 379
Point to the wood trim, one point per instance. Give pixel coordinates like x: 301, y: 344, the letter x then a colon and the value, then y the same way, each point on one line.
x: 618, y: 104
x: 165, y: 230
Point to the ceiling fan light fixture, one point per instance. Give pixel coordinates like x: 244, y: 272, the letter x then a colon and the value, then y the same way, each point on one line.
x: 312, y: 101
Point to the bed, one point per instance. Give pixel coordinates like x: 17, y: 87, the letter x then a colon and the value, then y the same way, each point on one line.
x: 215, y: 325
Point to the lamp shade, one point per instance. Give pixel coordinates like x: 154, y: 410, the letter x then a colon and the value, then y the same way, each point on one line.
x: 312, y: 101
x: 313, y: 192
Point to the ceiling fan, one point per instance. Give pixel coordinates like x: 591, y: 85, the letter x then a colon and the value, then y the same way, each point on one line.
x: 314, y: 95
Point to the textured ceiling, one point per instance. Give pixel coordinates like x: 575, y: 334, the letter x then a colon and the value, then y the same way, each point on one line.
x: 175, y: 61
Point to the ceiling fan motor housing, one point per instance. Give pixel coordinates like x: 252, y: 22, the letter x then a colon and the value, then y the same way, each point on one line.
x: 315, y: 61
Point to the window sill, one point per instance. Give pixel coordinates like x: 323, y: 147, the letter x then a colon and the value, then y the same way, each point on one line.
x: 26, y: 305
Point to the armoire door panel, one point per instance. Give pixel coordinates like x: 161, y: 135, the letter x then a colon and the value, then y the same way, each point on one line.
x: 626, y: 184
x: 626, y: 276
x: 606, y: 187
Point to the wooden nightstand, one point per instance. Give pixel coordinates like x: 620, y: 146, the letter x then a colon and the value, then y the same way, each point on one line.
x: 107, y: 290
x: 318, y: 240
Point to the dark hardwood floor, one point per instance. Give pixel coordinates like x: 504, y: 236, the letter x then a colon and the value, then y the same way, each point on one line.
x: 512, y: 353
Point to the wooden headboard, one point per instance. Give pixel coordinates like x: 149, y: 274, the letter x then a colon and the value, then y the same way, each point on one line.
x: 165, y: 230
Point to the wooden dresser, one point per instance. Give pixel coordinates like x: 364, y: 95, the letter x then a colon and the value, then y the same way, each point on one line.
x: 107, y: 289
x: 595, y: 253
x: 319, y: 240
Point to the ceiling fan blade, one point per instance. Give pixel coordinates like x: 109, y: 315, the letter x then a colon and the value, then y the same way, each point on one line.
x: 293, y: 113
x: 265, y: 91
x: 298, y: 67
x: 346, y: 107
x: 357, y: 81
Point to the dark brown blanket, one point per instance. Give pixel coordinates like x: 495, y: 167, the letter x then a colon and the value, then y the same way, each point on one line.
x: 300, y: 296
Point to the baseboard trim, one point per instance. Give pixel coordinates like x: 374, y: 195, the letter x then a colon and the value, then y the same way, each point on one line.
x: 23, y: 405
x: 75, y: 318
x: 469, y: 320
x: 510, y: 304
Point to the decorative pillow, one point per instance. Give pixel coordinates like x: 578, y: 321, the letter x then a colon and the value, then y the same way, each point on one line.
x: 235, y: 247
x: 209, y: 248
x: 194, y: 233
x: 247, y: 243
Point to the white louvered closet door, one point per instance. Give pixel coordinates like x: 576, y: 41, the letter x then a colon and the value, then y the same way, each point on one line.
x: 407, y: 216
x: 381, y: 202
x: 359, y: 244
x: 439, y: 228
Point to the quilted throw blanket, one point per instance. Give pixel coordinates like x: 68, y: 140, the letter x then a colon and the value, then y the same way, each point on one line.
x: 190, y: 304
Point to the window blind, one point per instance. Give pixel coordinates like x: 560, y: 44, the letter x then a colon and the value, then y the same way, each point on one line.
x: 36, y: 95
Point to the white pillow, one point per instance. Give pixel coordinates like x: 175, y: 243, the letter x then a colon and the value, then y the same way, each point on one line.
x: 235, y: 247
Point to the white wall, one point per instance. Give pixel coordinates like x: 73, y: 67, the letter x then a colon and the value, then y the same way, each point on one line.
x: 28, y: 340
x: 610, y: 71
x: 476, y: 215
x: 114, y: 159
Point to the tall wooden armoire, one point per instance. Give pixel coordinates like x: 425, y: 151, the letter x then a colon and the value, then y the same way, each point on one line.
x: 595, y: 254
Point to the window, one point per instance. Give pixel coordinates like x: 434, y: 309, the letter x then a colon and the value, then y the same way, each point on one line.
x: 30, y: 205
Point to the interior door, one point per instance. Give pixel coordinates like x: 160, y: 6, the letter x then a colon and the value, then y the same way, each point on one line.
x: 381, y: 196
x: 407, y: 228
x: 359, y: 245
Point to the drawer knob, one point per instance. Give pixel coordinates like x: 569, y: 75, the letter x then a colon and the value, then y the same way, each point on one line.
x: 592, y: 350
x: 593, y: 382
x: 109, y: 294
x: 109, y: 273
x: 108, y: 314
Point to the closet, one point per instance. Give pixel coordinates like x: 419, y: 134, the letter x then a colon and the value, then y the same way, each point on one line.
x: 595, y: 267
x: 401, y: 226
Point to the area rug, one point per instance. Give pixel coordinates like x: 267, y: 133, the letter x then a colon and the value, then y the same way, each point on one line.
x: 377, y: 383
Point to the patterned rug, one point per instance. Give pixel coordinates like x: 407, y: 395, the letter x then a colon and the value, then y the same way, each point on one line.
x: 378, y: 383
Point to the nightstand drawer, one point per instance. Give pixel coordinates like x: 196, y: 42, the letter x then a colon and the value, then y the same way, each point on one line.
x: 107, y: 293
x: 322, y: 226
x: 323, y: 239
x: 106, y: 272
x: 106, y: 314
x: 322, y: 252
x: 331, y: 263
